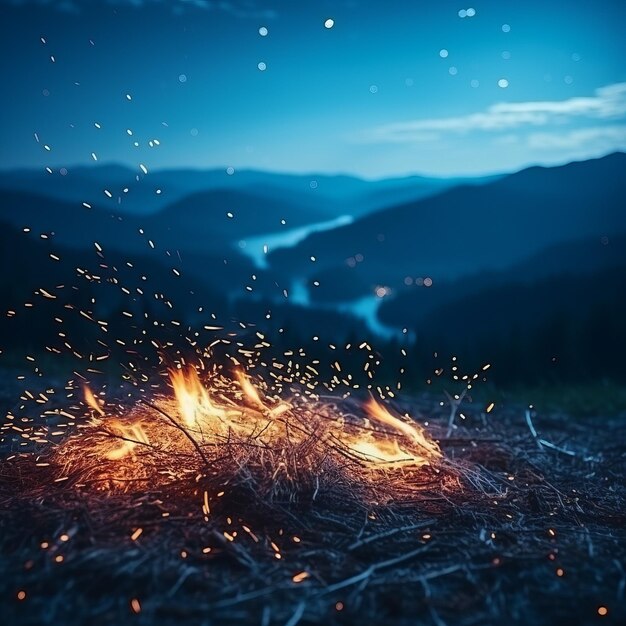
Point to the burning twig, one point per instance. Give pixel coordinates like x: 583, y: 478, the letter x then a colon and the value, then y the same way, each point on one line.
x: 179, y: 427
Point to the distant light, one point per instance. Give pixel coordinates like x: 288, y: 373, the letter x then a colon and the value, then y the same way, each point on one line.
x: 428, y: 282
x: 471, y: 12
x: 409, y: 82
x: 408, y: 281
x: 462, y: 13
x: 182, y: 78
x: 568, y: 80
x: 230, y: 170
x: 373, y: 89
x: 329, y: 23
x: 313, y: 184
x: 262, y: 66
x: 263, y: 31
x: 443, y: 53
x: 506, y: 55
x: 503, y: 83
x: 193, y: 132
x: 506, y: 28
x: 576, y: 56
x: 602, y: 611
x: 474, y: 83
x: 453, y: 71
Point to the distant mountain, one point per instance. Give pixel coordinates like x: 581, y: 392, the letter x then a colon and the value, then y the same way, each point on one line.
x: 229, y: 215
x: 130, y: 191
x: 133, y: 192
x: 69, y: 224
x: 48, y: 282
x: 559, y: 328
x: 394, y: 191
x: 207, y: 222
x: 464, y: 230
x: 556, y: 316
x: 578, y: 261
x: 178, y: 238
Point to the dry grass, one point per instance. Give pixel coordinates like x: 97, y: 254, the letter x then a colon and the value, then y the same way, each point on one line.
x: 502, y: 529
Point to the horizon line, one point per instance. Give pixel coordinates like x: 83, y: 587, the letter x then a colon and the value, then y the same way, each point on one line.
x: 307, y: 173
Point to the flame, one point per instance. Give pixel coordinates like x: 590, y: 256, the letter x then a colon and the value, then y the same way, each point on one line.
x: 91, y: 401
x: 381, y: 451
x: 380, y: 448
x: 378, y: 412
x: 211, y: 417
x: 130, y: 436
x: 249, y: 391
x: 193, y: 399
x: 253, y: 397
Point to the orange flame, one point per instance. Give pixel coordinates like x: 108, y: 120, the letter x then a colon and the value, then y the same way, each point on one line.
x: 130, y: 436
x: 249, y: 391
x: 213, y: 416
x: 193, y: 399
x: 91, y: 401
x: 379, y: 448
x: 378, y: 412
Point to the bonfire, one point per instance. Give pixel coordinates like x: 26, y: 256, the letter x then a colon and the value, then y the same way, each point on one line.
x: 228, y: 432
x: 211, y: 494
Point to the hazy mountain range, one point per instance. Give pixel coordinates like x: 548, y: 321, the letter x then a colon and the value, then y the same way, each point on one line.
x: 466, y: 229
x: 477, y: 241
x: 135, y: 193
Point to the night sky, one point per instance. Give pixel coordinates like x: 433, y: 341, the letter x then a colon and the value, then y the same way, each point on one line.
x: 383, y: 89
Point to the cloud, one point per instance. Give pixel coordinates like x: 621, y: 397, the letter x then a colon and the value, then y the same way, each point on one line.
x: 607, y: 103
x: 596, y: 138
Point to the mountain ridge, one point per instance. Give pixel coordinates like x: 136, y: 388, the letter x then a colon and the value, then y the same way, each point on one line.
x: 468, y: 228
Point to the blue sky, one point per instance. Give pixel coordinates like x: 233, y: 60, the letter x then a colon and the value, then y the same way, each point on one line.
x: 392, y: 88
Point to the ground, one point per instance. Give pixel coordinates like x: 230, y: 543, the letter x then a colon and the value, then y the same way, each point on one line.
x: 523, y: 522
